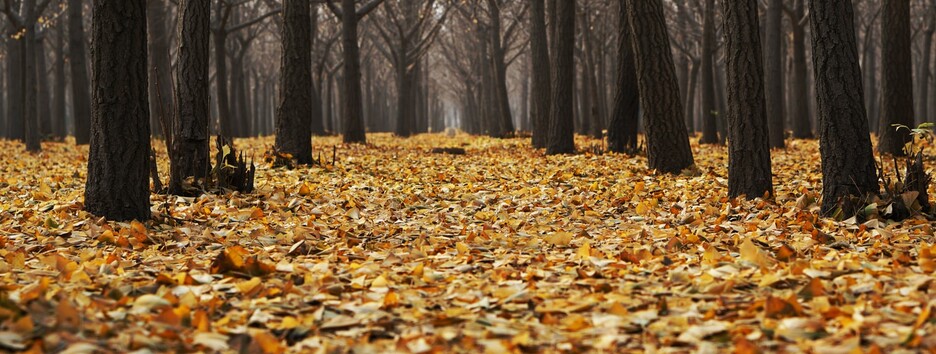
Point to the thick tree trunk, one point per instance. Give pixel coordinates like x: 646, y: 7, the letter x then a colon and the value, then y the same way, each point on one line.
x: 748, y: 145
x: 190, y: 137
x: 773, y: 69
x: 667, y: 141
x: 118, y: 163
x: 293, y: 129
x: 80, y: 86
x: 561, y: 126
x: 30, y: 90
x: 709, y: 105
x: 848, y: 170
x: 802, y: 122
x: 353, y: 119
x: 622, y: 132
x: 896, y: 77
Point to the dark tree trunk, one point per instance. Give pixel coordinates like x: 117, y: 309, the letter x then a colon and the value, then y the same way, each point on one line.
x: 160, y: 70
x: 293, y: 129
x: 15, y: 128
x: 748, y: 145
x: 924, y: 66
x: 118, y: 163
x: 561, y: 126
x: 30, y: 89
x: 44, y: 99
x: 896, y: 77
x: 503, y: 117
x: 81, y: 88
x: 58, y: 94
x: 667, y: 141
x: 709, y: 106
x: 622, y: 132
x: 317, y: 126
x: 190, y: 137
x: 225, y: 123
x: 351, y: 96
x: 773, y: 69
x: 691, y: 93
x: 848, y: 169
x: 802, y: 122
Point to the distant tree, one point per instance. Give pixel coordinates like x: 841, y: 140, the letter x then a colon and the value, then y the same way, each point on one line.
x: 799, y: 90
x: 896, y: 77
x: 118, y: 163
x: 709, y: 104
x: 773, y: 67
x: 668, y: 148
x: 23, y: 15
x: 189, y: 137
x: 541, y: 81
x: 293, y: 126
x: 353, y: 110
x: 748, y: 145
x: 561, y: 117
x: 622, y: 131
x: 80, y: 87
x: 848, y: 169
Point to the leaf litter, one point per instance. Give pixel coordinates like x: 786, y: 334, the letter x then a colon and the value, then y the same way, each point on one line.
x: 394, y: 248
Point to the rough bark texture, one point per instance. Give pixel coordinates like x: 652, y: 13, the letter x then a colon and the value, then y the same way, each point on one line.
x: 709, y: 106
x: 748, y: 146
x: 190, y: 137
x: 622, y: 131
x: 848, y: 171
x: 561, y: 126
x: 896, y: 77
x: 667, y: 141
x: 802, y: 122
x: 773, y: 70
x: 293, y: 128
x: 118, y: 168
x: 81, y: 88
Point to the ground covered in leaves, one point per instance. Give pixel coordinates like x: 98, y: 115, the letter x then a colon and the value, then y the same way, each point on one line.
x: 393, y: 248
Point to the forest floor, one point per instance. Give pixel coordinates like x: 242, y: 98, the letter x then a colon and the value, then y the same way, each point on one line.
x: 393, y: 248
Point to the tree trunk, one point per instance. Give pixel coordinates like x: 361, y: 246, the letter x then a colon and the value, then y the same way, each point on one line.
x: 561, y: 126
x: 44, y: 98
x: 504, y: 119
x: 709, y: 106
x: 81, y: 88
x: 691, y: 93
x: 190, y: 138
x: 118, y: 162
x: 160, y: 70
x: 773, y: 69
x: 16, y: 128
x: 30, y: 88
x: 225, y: 124
x: 896, y: 77
x: 351, y: 95
x: 802, y: 123
x: 848, y: 169
x: 924, y: 77
x: 622, y: 132
x: 293, y: 129
x: 748, y: 145
x: 667, y: 141
x: 58, y: 94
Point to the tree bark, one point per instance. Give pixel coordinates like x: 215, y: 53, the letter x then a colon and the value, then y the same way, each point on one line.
x: 160, y: 70
x: 773, y: 69
x: 748, y: 145
x: 802, y: 122
x: 81, y: 88
x: 896, y: 77
x: 709, y: 106
x: 351, y: 96
x: 30, y: 85
x: 561, y: 126
x: 848, y: 169
x: 622, y: 131
x: 293, y: 129
x: 118, y: 163
x: 58, y: 94
x: 667, y: 141
x: 190, y: 138
x: 44, y: 99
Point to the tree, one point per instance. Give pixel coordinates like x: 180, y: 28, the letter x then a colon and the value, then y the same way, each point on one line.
x: 667, y: 141
x: 622, y: 131
x: 561, y: 124
x: 24, y: 15
x: 353, y: 113
x: 802, y: 124
x: 773, y: 66
x: 118, y: 163
x: 77, y: 54
x: 748, y: 145
x: 848, y: 170
x: 896, y: 77
x: 709, y: 106
x: 160, y: 67
x: 541, y: 81
x: 293, y: 126
x: 189, y: 137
